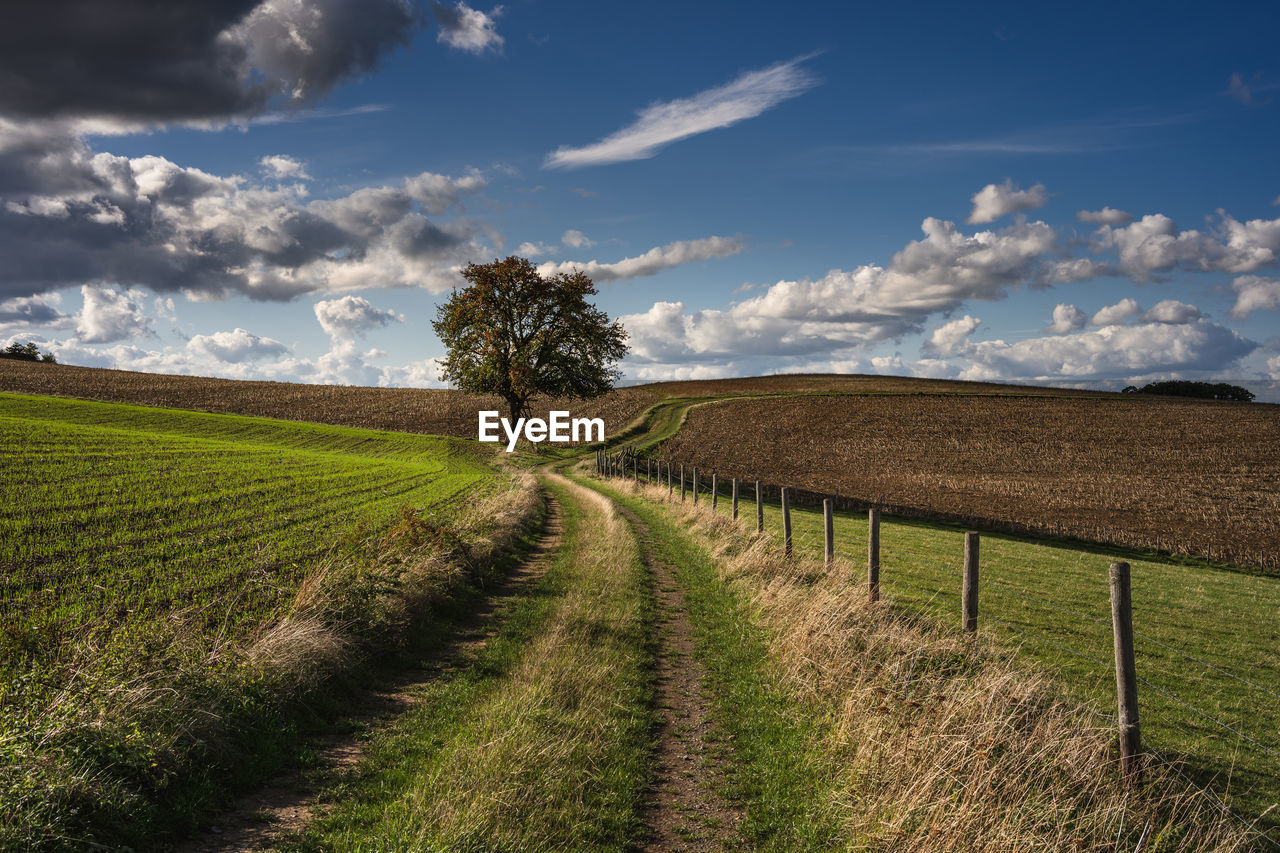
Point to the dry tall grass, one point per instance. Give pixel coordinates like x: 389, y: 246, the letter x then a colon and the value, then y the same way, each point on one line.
x: 946, y: 743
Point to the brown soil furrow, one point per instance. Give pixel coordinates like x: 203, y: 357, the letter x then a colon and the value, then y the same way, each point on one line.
x: 687, y: 811
x: 285, y: 804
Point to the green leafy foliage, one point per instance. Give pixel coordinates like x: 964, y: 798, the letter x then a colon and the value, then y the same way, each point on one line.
x: 1200, y: 390
x: 516, y: 334
x: 27, y: 352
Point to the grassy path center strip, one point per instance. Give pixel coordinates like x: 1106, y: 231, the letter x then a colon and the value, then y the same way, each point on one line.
x: 541, y: 741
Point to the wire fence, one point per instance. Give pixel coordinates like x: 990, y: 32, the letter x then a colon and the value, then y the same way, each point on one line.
x: 1253, y: 733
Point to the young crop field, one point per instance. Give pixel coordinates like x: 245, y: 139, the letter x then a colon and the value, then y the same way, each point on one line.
x: 1186, y: 477
x: 1206, y: 638
x: 116, y: 515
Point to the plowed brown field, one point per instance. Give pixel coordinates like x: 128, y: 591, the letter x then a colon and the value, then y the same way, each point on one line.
x: 1193, y: 477
x: 420, y: 410
x: 424, y: 410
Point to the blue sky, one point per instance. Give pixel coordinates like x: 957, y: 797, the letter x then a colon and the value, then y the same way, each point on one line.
x: 1077, y: 196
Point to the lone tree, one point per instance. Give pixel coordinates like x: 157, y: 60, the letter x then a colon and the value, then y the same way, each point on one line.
x: 515, y: 334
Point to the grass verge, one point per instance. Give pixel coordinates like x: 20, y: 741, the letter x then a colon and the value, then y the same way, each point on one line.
x: 1205, y: 643
x: 916, y: 738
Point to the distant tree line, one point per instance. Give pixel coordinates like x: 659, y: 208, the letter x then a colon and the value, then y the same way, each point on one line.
x: 1202, y: 390
x: 27, y: 352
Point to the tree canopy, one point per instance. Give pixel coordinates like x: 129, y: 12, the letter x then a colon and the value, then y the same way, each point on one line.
x: 26, y: 352
x: 516, y: 334
x: 1202, y: 390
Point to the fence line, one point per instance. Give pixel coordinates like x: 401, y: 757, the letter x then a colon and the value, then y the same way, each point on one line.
x: 788, y: 497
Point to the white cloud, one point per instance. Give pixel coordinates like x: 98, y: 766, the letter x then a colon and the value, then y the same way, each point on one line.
x: 533, y: 250
x: 351, y: 316
x: 243, y: 355
x: 996, y: 200
x: 165, y: 309
x: 651, y: 262
x: 846, y: 309
x: 1066, y: 318
x: 1273, y: 368
x: 661, y: 124
x: 279, y: 166
x: 109, y: 315
x: 1172, y: 311
x: 888, y: 365
x: 1153, y: 244
x: 466, y: 28
x: 1073, y: 269
x: 1117, y: 313
x: 1113, y: 352
x: 951, y: 336
x: 575, y: 239
x: 439, y: 194
x: 1248, y: 245
x: 1254, y: 293
x: 235, y: 346
x: 146, y: 221
x: 1106, y: 216
x: 417, y: 374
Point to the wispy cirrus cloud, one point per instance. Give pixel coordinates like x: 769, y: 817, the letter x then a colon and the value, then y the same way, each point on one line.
x: 294, y: 116
x: 651, y: 262
x: 660, y: 124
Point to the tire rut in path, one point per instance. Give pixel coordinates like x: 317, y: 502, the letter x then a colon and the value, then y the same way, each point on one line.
x: 284, y: 804
x: 686, y: 811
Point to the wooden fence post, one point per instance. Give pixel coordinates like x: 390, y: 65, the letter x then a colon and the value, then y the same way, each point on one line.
x: 682, y: 481
x: 648, y: 469
x: 715, y: 494
x: 670, y: 488
x: 695, y: 486
x: 735, y: 498
x: 873, y: 553
x: 969, y: 596
x: 1126, y: 673
x: 786, y: 522
x: 759, y: 509
x: 829, y: 529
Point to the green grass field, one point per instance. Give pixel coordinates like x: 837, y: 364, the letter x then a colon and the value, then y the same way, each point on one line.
x: 117, y: 513
x: 1207, y: 649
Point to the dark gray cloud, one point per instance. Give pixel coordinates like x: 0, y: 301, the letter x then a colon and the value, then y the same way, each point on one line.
x: 148, y: 222
x: 74, y: 216
x: 32, y: 310
x: 142, y: 61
